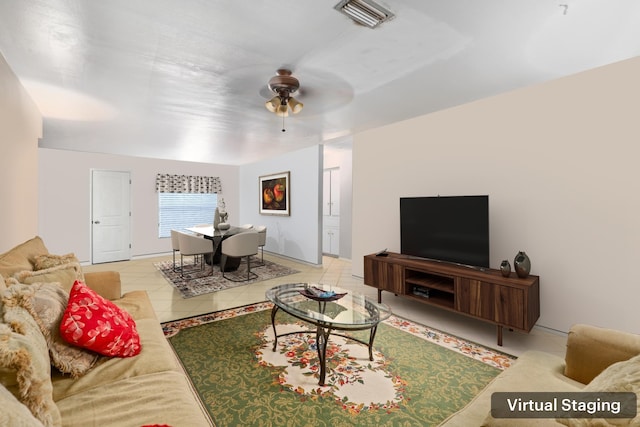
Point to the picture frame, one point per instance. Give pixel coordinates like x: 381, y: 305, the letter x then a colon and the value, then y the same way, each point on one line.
x: 275, y: 194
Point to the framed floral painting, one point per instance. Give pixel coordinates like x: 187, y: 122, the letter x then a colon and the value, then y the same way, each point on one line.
x: 275, y: 194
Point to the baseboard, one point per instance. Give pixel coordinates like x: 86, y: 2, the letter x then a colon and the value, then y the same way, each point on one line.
x: 551, y: 330
x: 273, y: 254
x: 133, y: 258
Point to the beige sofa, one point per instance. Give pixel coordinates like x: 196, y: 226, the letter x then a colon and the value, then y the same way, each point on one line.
x: 148, y: 389
x: 596, y: 359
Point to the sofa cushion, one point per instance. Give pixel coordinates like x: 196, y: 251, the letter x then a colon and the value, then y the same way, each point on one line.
x: 105, y: 283
x: 159, y: 398
x: 156, y: 355
x: 46, y: 302
x: 93, y: 322
x: 22, y: 256
x: 619, y: 377
x: 14, y: 413
x: 42, y: 262
x: 65, y: 274
x: 532, y: 371
x: 24, y: 350
x: 138, y: 305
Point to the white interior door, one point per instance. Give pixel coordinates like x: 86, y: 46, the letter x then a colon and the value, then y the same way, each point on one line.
x: 110, y: 216
x: 335, y: 192
x: 326, y: 192
x: 331, y: 212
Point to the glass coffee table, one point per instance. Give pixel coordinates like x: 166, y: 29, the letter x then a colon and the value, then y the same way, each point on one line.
x: 329, y: 309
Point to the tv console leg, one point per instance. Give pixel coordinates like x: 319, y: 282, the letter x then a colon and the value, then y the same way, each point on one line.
x: 499, y: 335
x: 379, y: 296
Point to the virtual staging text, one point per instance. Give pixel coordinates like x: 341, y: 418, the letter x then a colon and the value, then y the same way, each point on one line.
x: 564, y: 405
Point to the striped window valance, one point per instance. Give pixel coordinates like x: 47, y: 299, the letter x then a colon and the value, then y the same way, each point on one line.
x: 166, y: 183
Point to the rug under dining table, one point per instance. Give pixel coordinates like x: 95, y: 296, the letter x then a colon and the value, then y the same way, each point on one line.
x: 196, y: 281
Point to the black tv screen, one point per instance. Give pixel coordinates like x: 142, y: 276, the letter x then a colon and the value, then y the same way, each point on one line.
x: 452, y: 229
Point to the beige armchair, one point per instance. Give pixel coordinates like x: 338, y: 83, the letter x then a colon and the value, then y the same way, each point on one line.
x: 191, y: 244
x: 239, y: 245
x: 262, y: 240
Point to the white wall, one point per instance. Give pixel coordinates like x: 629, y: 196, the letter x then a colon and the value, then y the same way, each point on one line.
x: 560, y: 164
x: 296, y: 236
x: 20, y: 128
x: 64, y: 198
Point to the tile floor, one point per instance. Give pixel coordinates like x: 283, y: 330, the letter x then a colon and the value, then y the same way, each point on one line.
x: 140, y: 274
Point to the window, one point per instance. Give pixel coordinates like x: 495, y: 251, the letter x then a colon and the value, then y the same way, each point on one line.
x: 181, y: 210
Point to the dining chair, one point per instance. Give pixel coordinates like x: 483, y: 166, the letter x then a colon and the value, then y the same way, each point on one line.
x: 175, y: 246
x: 191, y: 244
x: 262, y: 240
x: 238, y: 246
x: 200, y: 234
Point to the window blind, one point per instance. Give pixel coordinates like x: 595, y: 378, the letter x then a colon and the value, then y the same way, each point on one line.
x: 178, y: 211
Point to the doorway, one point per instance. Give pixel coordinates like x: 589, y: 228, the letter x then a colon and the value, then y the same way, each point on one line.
x: 110, y: 216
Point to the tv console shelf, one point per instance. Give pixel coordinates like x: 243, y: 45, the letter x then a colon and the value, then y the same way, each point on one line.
x: 484, y: 294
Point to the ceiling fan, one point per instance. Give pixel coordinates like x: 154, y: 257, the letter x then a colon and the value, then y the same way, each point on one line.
x: 284, y: 95
x: 284, y: 85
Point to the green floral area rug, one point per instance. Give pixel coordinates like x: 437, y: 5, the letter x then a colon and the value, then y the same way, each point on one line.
x: 419, y: 375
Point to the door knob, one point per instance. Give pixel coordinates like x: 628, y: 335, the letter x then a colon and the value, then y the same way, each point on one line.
x: 96, y: 222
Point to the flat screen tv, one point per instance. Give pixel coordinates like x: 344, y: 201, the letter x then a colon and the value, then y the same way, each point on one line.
x: 452, y: 229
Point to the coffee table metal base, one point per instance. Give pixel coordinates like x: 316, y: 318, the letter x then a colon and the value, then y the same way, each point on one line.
x: 322, y: 337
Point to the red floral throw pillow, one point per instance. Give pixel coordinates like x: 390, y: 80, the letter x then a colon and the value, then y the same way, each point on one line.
x: 93, y: 322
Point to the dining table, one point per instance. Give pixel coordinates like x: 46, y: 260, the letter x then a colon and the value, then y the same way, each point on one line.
x: 217, y: 236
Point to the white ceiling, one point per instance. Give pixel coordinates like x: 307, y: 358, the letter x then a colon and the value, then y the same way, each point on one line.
x: 187, y: 79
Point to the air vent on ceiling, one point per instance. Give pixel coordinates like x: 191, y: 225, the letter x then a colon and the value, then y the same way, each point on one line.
x: 364, y: 12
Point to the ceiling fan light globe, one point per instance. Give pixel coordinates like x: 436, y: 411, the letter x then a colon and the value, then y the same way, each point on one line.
x: 295, y: 105
x: 273, y: 104
x: 282, y: 111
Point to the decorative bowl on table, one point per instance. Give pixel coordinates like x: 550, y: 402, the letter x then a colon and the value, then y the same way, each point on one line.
x: 317, y: 294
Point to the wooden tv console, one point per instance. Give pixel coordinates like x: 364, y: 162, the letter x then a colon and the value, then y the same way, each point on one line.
x: 483, y: 294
